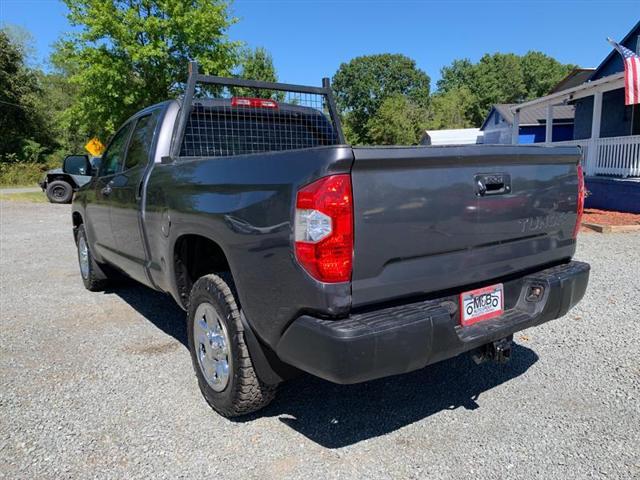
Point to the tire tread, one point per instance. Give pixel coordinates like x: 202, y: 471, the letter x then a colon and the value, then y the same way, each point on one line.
x: 98, y: 280
x: 250, y: 393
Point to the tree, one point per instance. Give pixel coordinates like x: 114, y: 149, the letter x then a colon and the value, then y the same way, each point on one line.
x: 458, y: 74
x: 497, y: 78
x: 23, y: 41
x: 257, y: 64
x: 59, y: 96
x: 502, y: 78
x: 451, y: 109
x: 398, y: 121
x: 542, y: 73
x: 129, y: 54
x: 24, y: 128
x: 362, y: 85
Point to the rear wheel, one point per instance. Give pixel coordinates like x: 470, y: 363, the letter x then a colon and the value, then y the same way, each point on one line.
x: 219, y: 353
x: 59, y: 191
x: 93, y: 276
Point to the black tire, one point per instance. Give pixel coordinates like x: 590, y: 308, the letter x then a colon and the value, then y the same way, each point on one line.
x: 95, y: 279
x: 244, y: 392
x: 59, y: 191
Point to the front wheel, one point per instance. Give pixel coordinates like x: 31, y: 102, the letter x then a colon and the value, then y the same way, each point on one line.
x: 93, y: 277
x: 219, y: 353
x: 59, y: 191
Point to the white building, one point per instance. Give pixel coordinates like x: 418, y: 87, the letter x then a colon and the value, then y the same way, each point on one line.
x: 457, y: 136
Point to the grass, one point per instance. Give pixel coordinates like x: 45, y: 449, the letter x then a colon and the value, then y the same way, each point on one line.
x: 17, y: 174
x: 33, y: 197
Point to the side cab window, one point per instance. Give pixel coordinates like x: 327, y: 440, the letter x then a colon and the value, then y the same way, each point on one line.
x: 141, y: 140
x: 113, y: 158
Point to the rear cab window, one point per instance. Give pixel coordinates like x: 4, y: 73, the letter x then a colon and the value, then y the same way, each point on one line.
x: 218, y: 128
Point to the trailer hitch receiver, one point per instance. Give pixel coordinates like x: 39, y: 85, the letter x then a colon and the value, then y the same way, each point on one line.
x: 498, y: 351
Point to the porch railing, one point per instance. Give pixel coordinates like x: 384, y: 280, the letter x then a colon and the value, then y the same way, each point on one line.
x: 616, y: 156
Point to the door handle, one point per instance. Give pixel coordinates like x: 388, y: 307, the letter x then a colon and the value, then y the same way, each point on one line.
x: 493, y: 184
x: 106, y: 191
x: 481, y: 188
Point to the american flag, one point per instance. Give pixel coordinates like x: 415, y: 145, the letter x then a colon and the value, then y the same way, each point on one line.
x: 631, y: 73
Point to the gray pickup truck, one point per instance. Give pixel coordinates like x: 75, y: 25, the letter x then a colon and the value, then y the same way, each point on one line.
x: 292, y: 251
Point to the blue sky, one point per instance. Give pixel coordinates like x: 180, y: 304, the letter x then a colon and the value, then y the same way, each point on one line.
x: 310, y: 39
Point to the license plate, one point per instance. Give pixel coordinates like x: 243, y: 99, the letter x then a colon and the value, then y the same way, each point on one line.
x: 481, y: 304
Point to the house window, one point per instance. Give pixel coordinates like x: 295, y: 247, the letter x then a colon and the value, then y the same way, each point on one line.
x: 616, y: 117
x: 632, y: 118
x: 496, y: 118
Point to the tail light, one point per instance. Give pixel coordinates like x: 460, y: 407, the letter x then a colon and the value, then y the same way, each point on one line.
x: 581, y: 195
x: 323, y: 229
x: 253, y: 102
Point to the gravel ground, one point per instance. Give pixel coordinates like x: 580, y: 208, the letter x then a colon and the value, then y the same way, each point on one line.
x: 20, y: 190
x: 101, y: 385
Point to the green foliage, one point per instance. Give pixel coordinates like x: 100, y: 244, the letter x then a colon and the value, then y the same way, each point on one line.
x: 257, y: 64
x: 362, y: 85
x: 501, y: 78
x: 129, y: 54
x: 23, y: 124
x: 59, y: 95
x: 451, y: 109
x: 125, y: 55
x: 456, y: 75
x: 21, y: 174
x: 398, y: 121
x: 497, y: 78
x: 27, y: 173
x: 465, y: 93
x: 32, y: 151
x: 541, y: 73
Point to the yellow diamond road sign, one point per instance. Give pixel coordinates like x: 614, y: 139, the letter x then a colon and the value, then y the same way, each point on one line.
x: 94, y: 147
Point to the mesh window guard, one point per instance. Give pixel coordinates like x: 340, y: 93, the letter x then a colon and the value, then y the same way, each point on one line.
x: 236, y: 117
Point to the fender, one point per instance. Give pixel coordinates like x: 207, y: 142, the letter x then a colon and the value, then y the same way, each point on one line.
x: 52, y: 177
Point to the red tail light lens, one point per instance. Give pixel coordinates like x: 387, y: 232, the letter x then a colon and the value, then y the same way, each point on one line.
x: 581, y: 195
x: 323, y: 229
x: 253, y: 102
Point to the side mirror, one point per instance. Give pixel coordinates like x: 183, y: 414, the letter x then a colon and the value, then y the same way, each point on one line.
x: 77, y: 165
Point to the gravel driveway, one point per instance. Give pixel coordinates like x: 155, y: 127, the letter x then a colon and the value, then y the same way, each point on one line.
x: 101, y: 385
x: 20, y: 190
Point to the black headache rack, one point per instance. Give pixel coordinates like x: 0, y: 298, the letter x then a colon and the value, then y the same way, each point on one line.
x: 232, y: 116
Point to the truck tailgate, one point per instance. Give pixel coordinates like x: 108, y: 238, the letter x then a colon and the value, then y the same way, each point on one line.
x: 434, y: 218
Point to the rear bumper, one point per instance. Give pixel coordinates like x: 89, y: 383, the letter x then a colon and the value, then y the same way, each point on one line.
x: 400, y: 339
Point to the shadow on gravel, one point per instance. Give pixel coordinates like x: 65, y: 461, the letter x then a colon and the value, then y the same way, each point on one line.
x: 159, y: 308
x: 335, y: 416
